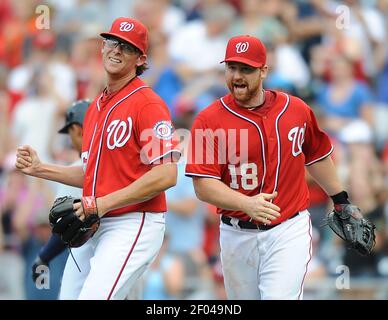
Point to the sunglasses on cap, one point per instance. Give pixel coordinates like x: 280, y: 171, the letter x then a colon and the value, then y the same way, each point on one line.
x: 125, y: 47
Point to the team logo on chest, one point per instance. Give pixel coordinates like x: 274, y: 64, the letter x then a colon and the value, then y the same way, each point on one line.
x: 119, y: 132
x: 296, y: 135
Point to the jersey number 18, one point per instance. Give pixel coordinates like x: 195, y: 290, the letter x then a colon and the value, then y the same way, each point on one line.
x: 248, y: 173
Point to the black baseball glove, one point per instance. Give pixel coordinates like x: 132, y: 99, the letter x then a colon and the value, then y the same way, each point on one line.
x: 348, y: 223
x: 73, y: 231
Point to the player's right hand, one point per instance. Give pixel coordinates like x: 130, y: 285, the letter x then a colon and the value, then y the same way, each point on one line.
x: 261, y: 208
x: 27, y: 160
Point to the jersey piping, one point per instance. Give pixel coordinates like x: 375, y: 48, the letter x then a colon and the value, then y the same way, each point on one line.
x: 321, y: 158
x: 102, y: 134
x: 279, y: 144
x: 261, y: 137
x: 163, y: 155
x: 189, y: 174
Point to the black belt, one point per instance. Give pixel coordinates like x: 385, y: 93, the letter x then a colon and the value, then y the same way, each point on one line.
x: 250, y: 225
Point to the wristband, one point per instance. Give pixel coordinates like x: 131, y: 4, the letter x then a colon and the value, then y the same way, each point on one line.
x: 340, y: 198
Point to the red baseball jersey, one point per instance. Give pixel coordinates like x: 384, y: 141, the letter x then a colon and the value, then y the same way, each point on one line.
x: 260, y: 150
x: 124, y: 135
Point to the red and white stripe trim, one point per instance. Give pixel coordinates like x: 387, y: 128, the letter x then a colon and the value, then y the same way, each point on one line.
x: 128, y: 256
x: 163, y: 155
x: 261, y: 137
x: 321, y: 158
x: 310, y: 256
x: 189, y: 174
x: 102, y: 135
x: 279, y: 142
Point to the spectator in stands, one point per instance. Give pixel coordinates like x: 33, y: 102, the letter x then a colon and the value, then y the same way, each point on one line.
x: 259, y: 20
x: 189, y: 43
x: 85, y: 58
x: 164, y: 280
x: 35, y: 118
x: 34, y: 234
x: 344, y: 99
x: 165, y: 75
x: 159, y: 15
x: 42, y: 56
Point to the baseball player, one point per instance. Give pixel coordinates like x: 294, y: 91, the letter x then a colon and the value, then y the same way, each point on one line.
x: 128, y: 161
x: 73, y: 127
x: 248, y: 152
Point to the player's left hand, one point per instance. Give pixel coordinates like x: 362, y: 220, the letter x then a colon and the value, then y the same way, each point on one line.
x: 349, y: 224
x: 79, y: 211
x: 64, y: 221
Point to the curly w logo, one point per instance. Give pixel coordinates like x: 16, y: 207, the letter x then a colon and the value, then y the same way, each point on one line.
x: 242, y: 47
x: 119, y: 133
x: 126, y: 26
x: 296, y: 135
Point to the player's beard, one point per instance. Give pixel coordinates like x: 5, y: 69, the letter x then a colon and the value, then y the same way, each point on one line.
x: 244, y: 96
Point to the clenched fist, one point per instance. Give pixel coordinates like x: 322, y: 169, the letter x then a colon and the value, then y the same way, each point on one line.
x: 27, y: 160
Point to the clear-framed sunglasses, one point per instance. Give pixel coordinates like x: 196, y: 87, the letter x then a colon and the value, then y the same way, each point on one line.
x: 125, y: 47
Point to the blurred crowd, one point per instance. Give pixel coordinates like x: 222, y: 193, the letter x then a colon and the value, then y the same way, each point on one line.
x: 332, y: 54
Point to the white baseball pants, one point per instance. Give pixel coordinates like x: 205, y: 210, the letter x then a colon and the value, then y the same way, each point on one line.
x: 114, y: 259
x: 268, y: 264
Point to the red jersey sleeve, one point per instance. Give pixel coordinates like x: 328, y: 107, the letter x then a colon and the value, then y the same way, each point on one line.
x: 317, y: 145
x: 155, y: 134
x: 202, y: 158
